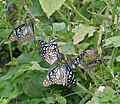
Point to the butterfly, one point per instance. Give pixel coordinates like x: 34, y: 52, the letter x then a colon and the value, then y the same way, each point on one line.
x: 90, y: 59
x: 23, y: 32
x: 61, y: 75
x: 49, y: 51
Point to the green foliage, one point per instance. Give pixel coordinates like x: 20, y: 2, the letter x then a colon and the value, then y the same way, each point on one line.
x: 49, y: 7
x: 76, y: 26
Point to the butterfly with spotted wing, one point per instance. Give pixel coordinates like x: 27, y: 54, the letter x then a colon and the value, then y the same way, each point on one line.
x: 23, y: 32
x: 61, y: 75
x: 49, y: 51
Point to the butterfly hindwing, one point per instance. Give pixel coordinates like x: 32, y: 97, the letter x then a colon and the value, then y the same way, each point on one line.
x: 55, y: 76
x: 71, y: 80
x: 44, y: 49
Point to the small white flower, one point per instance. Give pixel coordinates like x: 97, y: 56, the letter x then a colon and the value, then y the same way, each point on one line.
x: 101, y: 88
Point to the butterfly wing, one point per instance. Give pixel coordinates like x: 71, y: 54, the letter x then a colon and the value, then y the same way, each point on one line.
x: 71, y: 80
x: 15, y: 34
x: 55, y: 76
x: 53, y: 51
x: 44, y: 49
x: 76, y: 61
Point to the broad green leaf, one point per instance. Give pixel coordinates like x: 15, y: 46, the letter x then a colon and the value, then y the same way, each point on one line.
x: 49, y: 6
x: 17, y: 91
x: 48, y: 100
x: 6, y: 89
x: 61, y: 100
x: 10, y: 73
x: 118, y: 59
x: 36, y: 9
x: 81, y: 31
x: 4, y: 33
x: 25, y: 58
x: 32, y: 90
x: 58, y: 26
x: 68, y: 49
x: 114, y: 41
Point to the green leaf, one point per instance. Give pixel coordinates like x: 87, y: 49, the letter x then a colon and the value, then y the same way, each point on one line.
x: 49, y: 6
x: 118, y: 59
x: 6, y: 89
x: 58, y: 26
x: 61, y: 100
x: 10, y: 73
x: 32, y: 87
x: 48, y: 100
x: 81, y: 31
x: 114, y: 41
x: 25, y: 58
x: 36, y: 9
x: 32, y: 90
x: 4, y: 33
x: 68, y: 49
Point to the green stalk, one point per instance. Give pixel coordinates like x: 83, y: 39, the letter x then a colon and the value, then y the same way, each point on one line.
x: 93, y: 77
x: 101, y: 16
x: 77, y: 13
x: 7, y: 23
x: 10, y: 52
x: 84, y: 89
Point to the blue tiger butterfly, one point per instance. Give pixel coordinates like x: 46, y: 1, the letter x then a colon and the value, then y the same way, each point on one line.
x: 23, y: 32
x: 49, y: 51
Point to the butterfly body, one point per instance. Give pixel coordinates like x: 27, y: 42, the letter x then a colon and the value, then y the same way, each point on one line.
x: 49, y: 51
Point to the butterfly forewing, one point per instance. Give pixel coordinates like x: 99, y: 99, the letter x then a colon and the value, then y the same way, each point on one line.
x: 55, y: 76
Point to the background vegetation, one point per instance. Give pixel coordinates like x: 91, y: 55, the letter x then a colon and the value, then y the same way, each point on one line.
x: 76, y: 25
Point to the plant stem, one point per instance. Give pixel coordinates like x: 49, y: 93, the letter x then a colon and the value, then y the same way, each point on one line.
x: 77, y: 13
x: 10, y: 52
x: 80, y: 87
